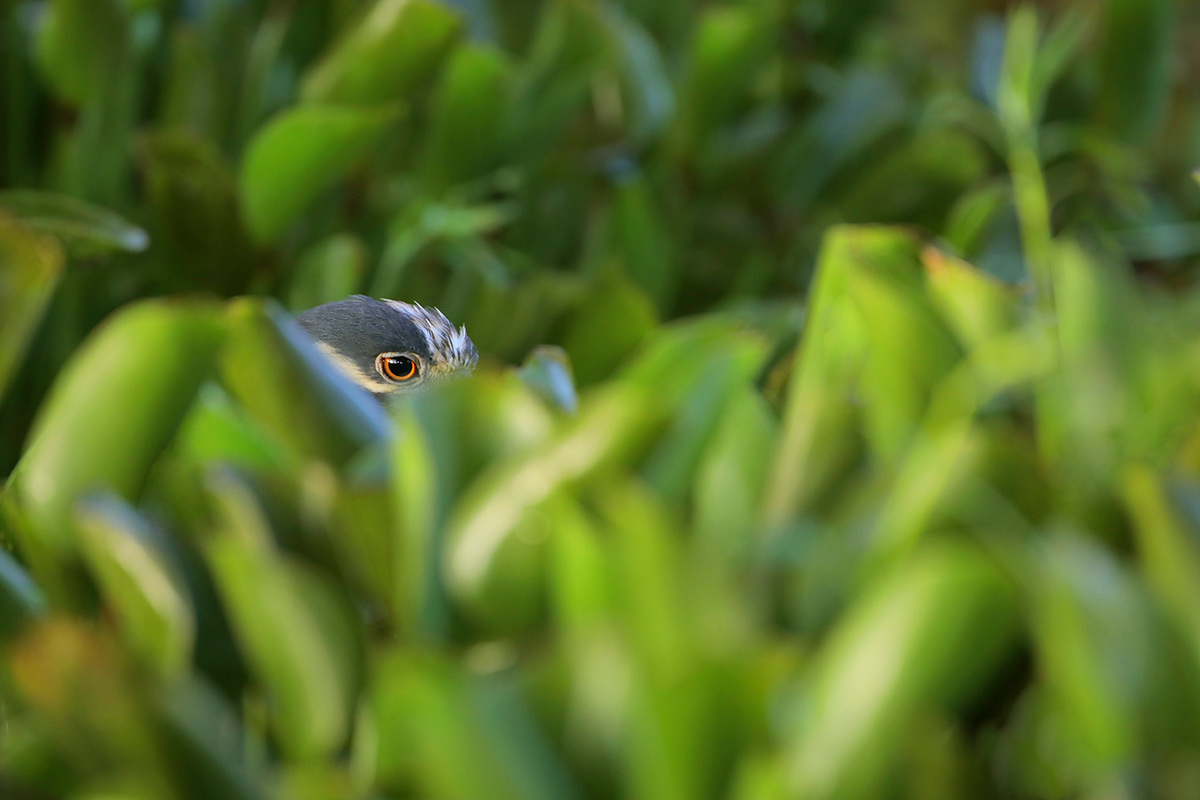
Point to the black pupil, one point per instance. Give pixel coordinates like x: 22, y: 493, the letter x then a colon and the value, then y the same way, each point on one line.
x: 400, y: 367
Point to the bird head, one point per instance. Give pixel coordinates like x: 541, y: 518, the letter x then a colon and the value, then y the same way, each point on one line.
x: 388, y: 347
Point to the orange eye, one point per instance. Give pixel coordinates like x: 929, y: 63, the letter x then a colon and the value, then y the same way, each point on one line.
x: 398, y: 368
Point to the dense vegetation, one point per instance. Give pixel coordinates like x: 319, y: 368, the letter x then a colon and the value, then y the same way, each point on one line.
x: 835, y: 436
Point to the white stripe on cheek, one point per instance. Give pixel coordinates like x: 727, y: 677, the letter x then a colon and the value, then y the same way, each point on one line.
x: 351, y: 371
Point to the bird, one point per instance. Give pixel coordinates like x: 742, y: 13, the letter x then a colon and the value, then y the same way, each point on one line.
x: 389, y: 347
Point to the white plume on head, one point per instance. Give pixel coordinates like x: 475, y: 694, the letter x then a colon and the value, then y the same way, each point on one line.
x: 452, y: 348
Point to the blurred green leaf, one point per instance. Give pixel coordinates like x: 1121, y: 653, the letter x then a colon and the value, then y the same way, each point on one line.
x: 296, y: 631
x: 556, y: 79
x: 930, y: 635
x: 415, y: 587
x: 460, y: 734
x: 909, y: 347
x: 671, y: 743
x: 139, y: 583
x: 29, y: 271
x: 394, y: 49
x: 506, y: 498
x: 730, y: 44
x: 646, y: 83
x: 974, y: 304
x: 207, y: 744
x: 82, y: 228
x: 861, y: 108
x: 465, y: 135
x: 299, y: 154
x: 1093, y: 630
x: 594, y: 346
x: 729, y: 367
x: 644, y: 242
x: 732, y: 473
x: 81, y: 44
x: 217, y: 431
x: 1021, y: 99
x: 819, y: 424
x: 1137, y: 65
x: 1166, y: 546
x: 93, y: 433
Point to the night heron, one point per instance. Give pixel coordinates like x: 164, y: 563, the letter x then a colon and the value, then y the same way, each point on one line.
x: 388, y: 347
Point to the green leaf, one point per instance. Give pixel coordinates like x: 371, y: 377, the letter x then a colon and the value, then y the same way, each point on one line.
x: 83, y: 229
x: 299, y: 154
x: 974, y: 304
x: 730, y: 366
x: 861, y: 108
x: 1167, y: 551
x: 1137, y: 66
x: 556, y: 80
x: 29, y: 270
x: 139, y: 583
x: 644, y: 242
x: 82, y: 45
x: 393, y: 52
x: 216, y: 430
x: 465, y: 128
x: 1094, y: 633
x: 202, y: 733
x: 483, y: 534
x: 295, y: 629
x: 595, y: 346
x: 732, y: 473
x: 111, y: 412
x: 731, y: 43
x: 869, y: 330
x: 931, y: 635
x: 644, y: 78
x: 453, y: 733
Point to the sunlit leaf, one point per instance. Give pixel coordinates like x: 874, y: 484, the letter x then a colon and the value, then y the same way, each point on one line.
x: 139, y: 582
x: 931, y: 635
x: 396, y: 47
x: 293, y: 626
x: 95, y: 433
x: 299, y: 154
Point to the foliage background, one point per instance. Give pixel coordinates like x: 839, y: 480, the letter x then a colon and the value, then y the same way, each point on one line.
x: 867, y: 466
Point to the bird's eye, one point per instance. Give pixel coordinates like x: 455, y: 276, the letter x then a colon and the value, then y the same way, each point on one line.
x: 398, y: 368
